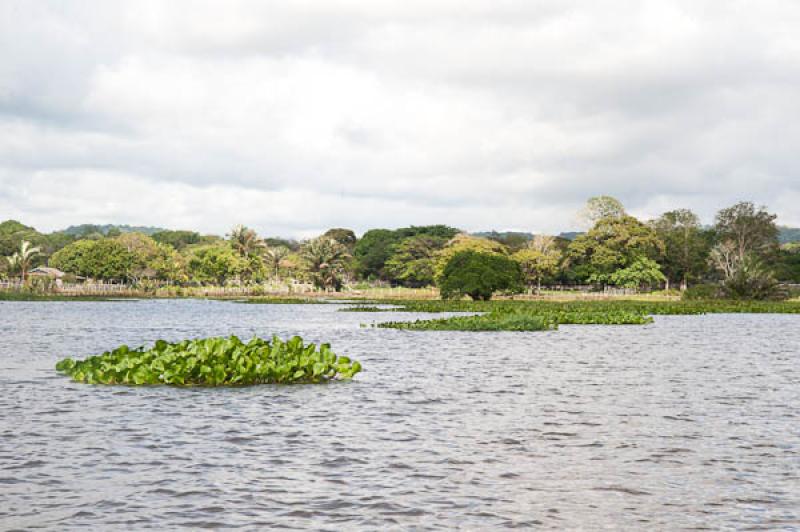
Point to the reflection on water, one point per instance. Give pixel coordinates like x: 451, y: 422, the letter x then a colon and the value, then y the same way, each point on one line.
x: 689, y: 422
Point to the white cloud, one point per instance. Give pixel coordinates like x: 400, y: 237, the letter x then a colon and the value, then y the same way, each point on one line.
x: 305, y: 115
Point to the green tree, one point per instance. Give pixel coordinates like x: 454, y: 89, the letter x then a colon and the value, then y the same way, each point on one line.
x: 686, y: 246
x: 750, y: 230
x: 600, y: 207
x: 21, y: 259
x: 214, y: 264
x: 13, y: 233
x: 373, y: 250
x: 465, y: 242
x: 513, y: 240
x: 539, y: 259
x: 412, y: 261
x: 177, y: 239
x: 377, y: 245
x: 105, y: 259
x: 151, y: 259
x: 788, y: 265
x: 273, y: 256
x: 345, y: 237
x: 245, y: 241
x: 479, y: 275
x: 747, y: 238
x: 74, y: 258
x: 642, y: 271
x: 13, y: 264
x: 612, y: 244
x: 324, y: 260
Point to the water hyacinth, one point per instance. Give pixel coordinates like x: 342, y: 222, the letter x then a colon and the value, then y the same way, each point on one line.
x: 486, y: 322
x: 214, y: 362
x: 521, y: 320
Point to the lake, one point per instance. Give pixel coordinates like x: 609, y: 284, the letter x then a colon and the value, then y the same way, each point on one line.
x: 691, y: 422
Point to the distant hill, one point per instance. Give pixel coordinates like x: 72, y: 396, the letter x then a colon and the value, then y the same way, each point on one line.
x: 789, y: 234
x: 504, y: 235
x: 511, y: 235
x: 570, y: 235
x: 85, y: 229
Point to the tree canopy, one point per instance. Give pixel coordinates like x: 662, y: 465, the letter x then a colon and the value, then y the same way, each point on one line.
x: 614, y: 243
x: 479, y: 275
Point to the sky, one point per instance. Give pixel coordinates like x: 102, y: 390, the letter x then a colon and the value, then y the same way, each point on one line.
x: 293, y: 117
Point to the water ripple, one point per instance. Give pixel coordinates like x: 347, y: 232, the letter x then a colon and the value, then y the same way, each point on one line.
x: 690, y: 423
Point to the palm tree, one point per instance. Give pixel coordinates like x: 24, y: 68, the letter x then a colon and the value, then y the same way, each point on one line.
x: 22, y: 258
x: 273, y: 257
x: 13, y: 263
x: 324, y: 259
x: 245, y: 241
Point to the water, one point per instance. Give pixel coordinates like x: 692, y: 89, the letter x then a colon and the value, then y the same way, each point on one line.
x: 692, y: 422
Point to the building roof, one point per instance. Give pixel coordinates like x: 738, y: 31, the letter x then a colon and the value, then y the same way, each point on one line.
x: 44, y: 270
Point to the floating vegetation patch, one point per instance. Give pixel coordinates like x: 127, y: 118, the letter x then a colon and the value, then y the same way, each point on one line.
x: 487, y: 322
x: 606, y: 306
x: 521, y: 320
x: 612, y: 317
x: 282, y: 301
x: 214, y: 362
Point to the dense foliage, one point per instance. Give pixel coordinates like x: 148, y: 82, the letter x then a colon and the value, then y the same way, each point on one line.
x: 214, y: 362
x: 739, y: 254
x: 614, y: 243
x: 479, y: 275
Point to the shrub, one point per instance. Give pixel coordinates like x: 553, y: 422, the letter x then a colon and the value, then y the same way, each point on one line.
x: 213, y: 362
x: 702, y: 291
x: 479, y: 275
x: 751, y: 280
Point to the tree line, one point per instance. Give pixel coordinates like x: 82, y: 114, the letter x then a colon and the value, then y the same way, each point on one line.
x: 740, y: 254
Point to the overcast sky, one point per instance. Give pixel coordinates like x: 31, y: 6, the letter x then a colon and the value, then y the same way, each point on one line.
x: 295, y: 116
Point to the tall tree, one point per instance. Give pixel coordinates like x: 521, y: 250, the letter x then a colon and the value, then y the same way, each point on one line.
x: 749, y: 229
x: 23, y: 257
x: 539, y: 259
x: 373, y: 250
x: 245, y: 241
x: 412, y: 262
x: 465, y: 242
x: 176, y: 239
x: 214, y: 263
x: 686, y: 246
x: 599, y: 207
x: 612, y: 244
x: 324, y: 260
x: 346, y: 237
x: 273, y: 256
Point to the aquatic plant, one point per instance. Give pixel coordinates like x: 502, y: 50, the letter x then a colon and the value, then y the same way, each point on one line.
x: 488, y: 322
x: 214, y: 362
x: 510, y: 313
x: 280, y: 300
x: 602, y: 306
x: 521, y: 320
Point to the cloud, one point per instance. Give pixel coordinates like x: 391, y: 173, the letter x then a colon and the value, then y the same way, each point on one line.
x: 305, y: 115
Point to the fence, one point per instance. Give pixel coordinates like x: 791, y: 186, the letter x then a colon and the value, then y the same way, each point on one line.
x: 294, y: 288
